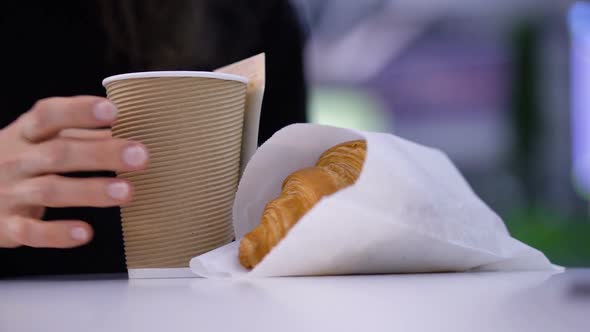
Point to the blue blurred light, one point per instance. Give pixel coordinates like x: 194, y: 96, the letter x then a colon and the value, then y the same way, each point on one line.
x: 579, y: 21
x: 579, y: 26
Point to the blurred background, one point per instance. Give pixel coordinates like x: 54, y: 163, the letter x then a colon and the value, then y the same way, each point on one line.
x: 498, y: 85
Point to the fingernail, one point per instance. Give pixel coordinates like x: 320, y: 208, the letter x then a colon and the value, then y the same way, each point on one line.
x: 135, y: 156
x: 79, y: 234
x: 105, y: 111
x: 118, y: 190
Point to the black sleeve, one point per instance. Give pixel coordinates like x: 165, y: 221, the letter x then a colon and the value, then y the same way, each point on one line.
x: 285, y: 95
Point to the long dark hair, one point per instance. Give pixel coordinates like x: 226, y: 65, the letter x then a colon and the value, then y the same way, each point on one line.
x: 179, y: 34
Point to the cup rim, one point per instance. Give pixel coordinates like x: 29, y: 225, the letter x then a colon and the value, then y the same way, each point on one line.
x: 174, y: 73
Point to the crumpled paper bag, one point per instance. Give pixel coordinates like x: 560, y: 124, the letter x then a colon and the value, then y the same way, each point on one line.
x: 410, y: 211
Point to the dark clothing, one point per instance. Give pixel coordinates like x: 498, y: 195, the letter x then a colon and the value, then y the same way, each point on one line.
x: 50, y: 49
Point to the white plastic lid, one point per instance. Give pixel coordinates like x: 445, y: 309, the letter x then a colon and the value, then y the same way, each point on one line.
x: 180, y: 73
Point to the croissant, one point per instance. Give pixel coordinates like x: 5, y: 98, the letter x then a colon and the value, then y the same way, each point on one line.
x: 337, y: 168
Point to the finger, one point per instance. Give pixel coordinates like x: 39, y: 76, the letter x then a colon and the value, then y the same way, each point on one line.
x: 68, y: 155
x: 6, y: 240
x: 86, y: 134
x: 21, y: 231
x: 49, y: 116
x: 60, y: 191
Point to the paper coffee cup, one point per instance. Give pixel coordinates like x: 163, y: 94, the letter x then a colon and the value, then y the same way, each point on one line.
x: 191, y: 123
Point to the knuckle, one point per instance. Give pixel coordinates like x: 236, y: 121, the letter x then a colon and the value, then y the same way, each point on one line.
x: 97, y: 154
x: 6, y: 197
x: 43, y: 113
x: 40, y: 112
x: 11, y: 166
x: 10, y: 245
x: 6, y: 241
x: 44, y: 104
x: 39, y: 104
x: 6, y: 200
x: 18, y: 231
x: 55, y: 153
x: 43, y: 190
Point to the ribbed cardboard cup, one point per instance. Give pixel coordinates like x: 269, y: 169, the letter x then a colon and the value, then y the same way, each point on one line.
x: 191, y: 123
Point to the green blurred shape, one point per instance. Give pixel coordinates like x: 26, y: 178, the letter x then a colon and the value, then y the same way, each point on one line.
x: 565, y: 241
x: 348, y: 108
x: 525, y: 116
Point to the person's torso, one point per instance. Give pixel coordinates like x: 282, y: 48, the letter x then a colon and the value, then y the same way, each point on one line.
x: 60, y: 49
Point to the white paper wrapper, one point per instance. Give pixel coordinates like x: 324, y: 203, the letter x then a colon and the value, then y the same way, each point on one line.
x: 410, y: 211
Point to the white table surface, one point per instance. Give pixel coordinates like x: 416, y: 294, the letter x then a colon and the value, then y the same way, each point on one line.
x: 516, y: 301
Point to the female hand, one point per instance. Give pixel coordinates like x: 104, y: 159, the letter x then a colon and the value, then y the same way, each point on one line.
x: 59, y: 135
